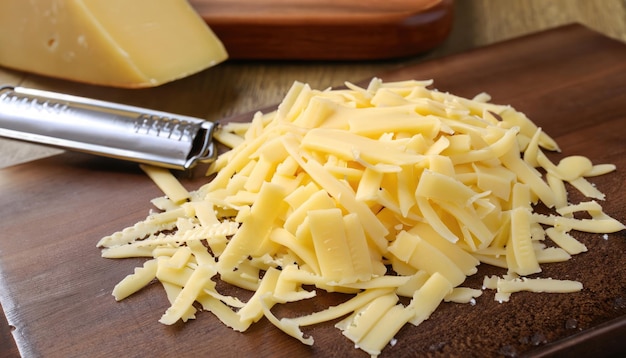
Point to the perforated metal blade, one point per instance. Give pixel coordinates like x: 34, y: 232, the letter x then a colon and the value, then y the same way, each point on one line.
x: 105, y: 128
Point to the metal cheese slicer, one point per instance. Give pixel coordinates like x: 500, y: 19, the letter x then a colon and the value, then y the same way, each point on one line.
x: 105, y: 128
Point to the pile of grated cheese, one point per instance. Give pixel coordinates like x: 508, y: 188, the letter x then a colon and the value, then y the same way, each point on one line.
x: 389, y: 191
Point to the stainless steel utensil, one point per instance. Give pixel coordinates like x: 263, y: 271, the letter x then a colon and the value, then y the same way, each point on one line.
x: 105, y: 128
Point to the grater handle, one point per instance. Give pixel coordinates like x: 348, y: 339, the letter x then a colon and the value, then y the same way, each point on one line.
x: 105, y: 128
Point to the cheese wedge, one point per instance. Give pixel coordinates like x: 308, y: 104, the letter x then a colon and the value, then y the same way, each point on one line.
x: 120, y: 43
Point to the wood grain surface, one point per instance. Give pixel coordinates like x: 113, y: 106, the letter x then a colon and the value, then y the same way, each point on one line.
x: 237, y: 87
x: 241, y: 86
x: 327, y: 29
x: 55, y: 288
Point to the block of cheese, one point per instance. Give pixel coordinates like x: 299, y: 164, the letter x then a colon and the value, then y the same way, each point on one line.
x: 120, y: 43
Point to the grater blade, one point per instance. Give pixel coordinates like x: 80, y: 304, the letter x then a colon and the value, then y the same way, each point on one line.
x: 105, y: 128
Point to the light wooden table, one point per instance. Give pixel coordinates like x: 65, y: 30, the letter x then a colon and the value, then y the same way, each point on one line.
x: 238, y: 87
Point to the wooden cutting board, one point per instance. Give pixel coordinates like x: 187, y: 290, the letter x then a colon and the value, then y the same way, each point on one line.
x: 56, y: 289
x: 327, y: 29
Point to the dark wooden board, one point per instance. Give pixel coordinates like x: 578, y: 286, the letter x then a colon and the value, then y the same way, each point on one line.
x: 56, y: 289
x: 327, y: 29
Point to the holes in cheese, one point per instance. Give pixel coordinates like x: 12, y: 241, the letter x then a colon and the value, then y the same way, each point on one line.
x: 389, y: 191
x: 114, y: 43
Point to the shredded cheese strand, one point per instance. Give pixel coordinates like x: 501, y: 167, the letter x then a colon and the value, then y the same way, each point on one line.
x: 379, y: 192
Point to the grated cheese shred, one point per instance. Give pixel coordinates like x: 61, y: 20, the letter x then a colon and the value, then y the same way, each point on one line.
x: 393, y: 190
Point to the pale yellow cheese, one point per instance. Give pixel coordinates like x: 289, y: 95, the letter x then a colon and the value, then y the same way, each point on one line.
x: 341, y: 309
x: 253, y: 310
x: 359, y: 323
x: 475, y: 232
x: 331, y: 244
x: 585, y: 187
x: 261, y: 172
x: 574, y: 167
x: 167, y: 273
x: 497, y: 180
x: 538, y: 285
x: 199, y: 252
x: 414, y: 283
x: 236, y: 161
x: 520, y: 242
x: 173, y: 291
x: 429, y: 296
x: 437, y: 186
x: 464, y: 260
x: 528, y: 175
x: 224, y: 313
x: 300, y: 248
x: 192, y: 289
x: 463, y: 295
x: 319, y: 112
x: 341, y: 193
x: 303, y: 276
x: 166, y: 181
x: 136, y: 281
x: 513, y: 118
x: 566, y: 241
x: 389, y: 324
x: 601, y: 224
x: 600, y: 169
x: 227, y: 138
x: 163, y: 203
x: 497, y: 149
x: 255, y: 229
x: 317, y: 201
x: 205, y: 212
x: 340, y: 246
x: 285, y: 325
x: 428, y: 258
x: 287, y: 290
x: 351, y: 146
x: 179, y: 259
x: 400, y: 119
x: 558, y: 188
x: 438, y: 146
x: 322, y: 193
x: 360, y: 254
x: 115, y: 43
x: 433, y: 218
x: 152, y: 224
x: 384, y: 281
x: 551, y: 254
x: 438, y: 164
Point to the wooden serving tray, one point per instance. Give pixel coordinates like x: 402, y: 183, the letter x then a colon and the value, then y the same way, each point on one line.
x: 327, y: 29
x: 56, y: 289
